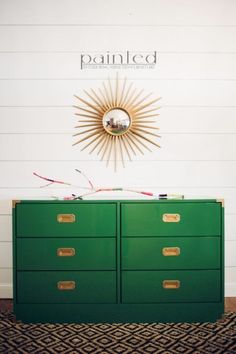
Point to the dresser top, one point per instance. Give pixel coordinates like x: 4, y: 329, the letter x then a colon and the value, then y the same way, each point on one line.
x: 102, y: 201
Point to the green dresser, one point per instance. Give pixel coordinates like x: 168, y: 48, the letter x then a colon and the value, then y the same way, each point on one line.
x: 118, y: 261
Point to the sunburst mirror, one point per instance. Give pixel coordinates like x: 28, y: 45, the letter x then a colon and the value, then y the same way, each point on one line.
x: 116, y: 121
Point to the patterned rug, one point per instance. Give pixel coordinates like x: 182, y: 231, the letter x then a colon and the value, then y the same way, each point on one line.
x: 16, y: 337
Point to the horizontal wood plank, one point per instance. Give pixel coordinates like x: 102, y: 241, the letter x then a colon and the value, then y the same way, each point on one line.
x: 230, y: 247
x: 173, y: 92
x: 6, y: 228
x: 41, y: 43
x: 96, y: 39
x: 6, y: 276
x: 58, y: 147
x: 168, y: 66
x: 31, y: 120
x: 5, y: 255
x: 125, y: 12
x: 162, y: 174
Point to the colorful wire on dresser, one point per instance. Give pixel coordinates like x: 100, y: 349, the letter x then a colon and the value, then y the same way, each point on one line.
x: 93, y: 190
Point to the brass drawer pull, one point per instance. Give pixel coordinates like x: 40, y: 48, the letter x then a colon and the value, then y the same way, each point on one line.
x: 171, y: 251
x: 171, y: 217
x: 65, y: 252
x: 171, y: 284
x: 66, y: 285
x: 66, y: 218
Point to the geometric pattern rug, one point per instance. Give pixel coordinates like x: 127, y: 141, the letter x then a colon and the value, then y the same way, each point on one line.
x: 149, y: 338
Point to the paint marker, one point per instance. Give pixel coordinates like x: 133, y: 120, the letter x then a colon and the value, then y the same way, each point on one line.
x: 171, y: 196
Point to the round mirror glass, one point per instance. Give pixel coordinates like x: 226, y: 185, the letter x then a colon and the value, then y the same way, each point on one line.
x: 116, y: 121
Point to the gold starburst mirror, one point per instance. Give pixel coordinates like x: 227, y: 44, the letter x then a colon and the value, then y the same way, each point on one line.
x: 117, y: 121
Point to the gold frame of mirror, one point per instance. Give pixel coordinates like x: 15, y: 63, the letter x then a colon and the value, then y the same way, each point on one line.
x: 116, y: 121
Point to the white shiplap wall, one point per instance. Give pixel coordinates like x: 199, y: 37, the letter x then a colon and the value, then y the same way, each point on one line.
x: 40, y: 47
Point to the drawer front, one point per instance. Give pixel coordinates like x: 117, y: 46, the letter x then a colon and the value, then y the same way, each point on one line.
x: 171, y: 286
x: 66, y: 287
x: 171, y: 219
x: 171, y: 253
x: 66, y: 254
x: 64, y: 220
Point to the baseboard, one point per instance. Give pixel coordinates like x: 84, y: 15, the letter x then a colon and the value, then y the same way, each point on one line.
x: 230, y: 289
x: 6, y: 291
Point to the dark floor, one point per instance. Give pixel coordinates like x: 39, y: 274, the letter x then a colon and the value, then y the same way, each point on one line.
x: 5, y: 304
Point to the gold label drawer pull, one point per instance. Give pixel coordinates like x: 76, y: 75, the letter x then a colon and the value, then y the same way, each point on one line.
x: 171, y: 284
x: 171, y: 251
x: 70, y: 218
x: 66, y: 285
x: 171, y: 217
x: 65, y: 252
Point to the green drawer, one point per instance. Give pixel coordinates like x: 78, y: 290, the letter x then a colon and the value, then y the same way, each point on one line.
x: 175, y: 219
x: 65, y: 220
x: 171, y: 286
x: 66, y: 287
x: 170, y: 253
x: 66, y: 254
